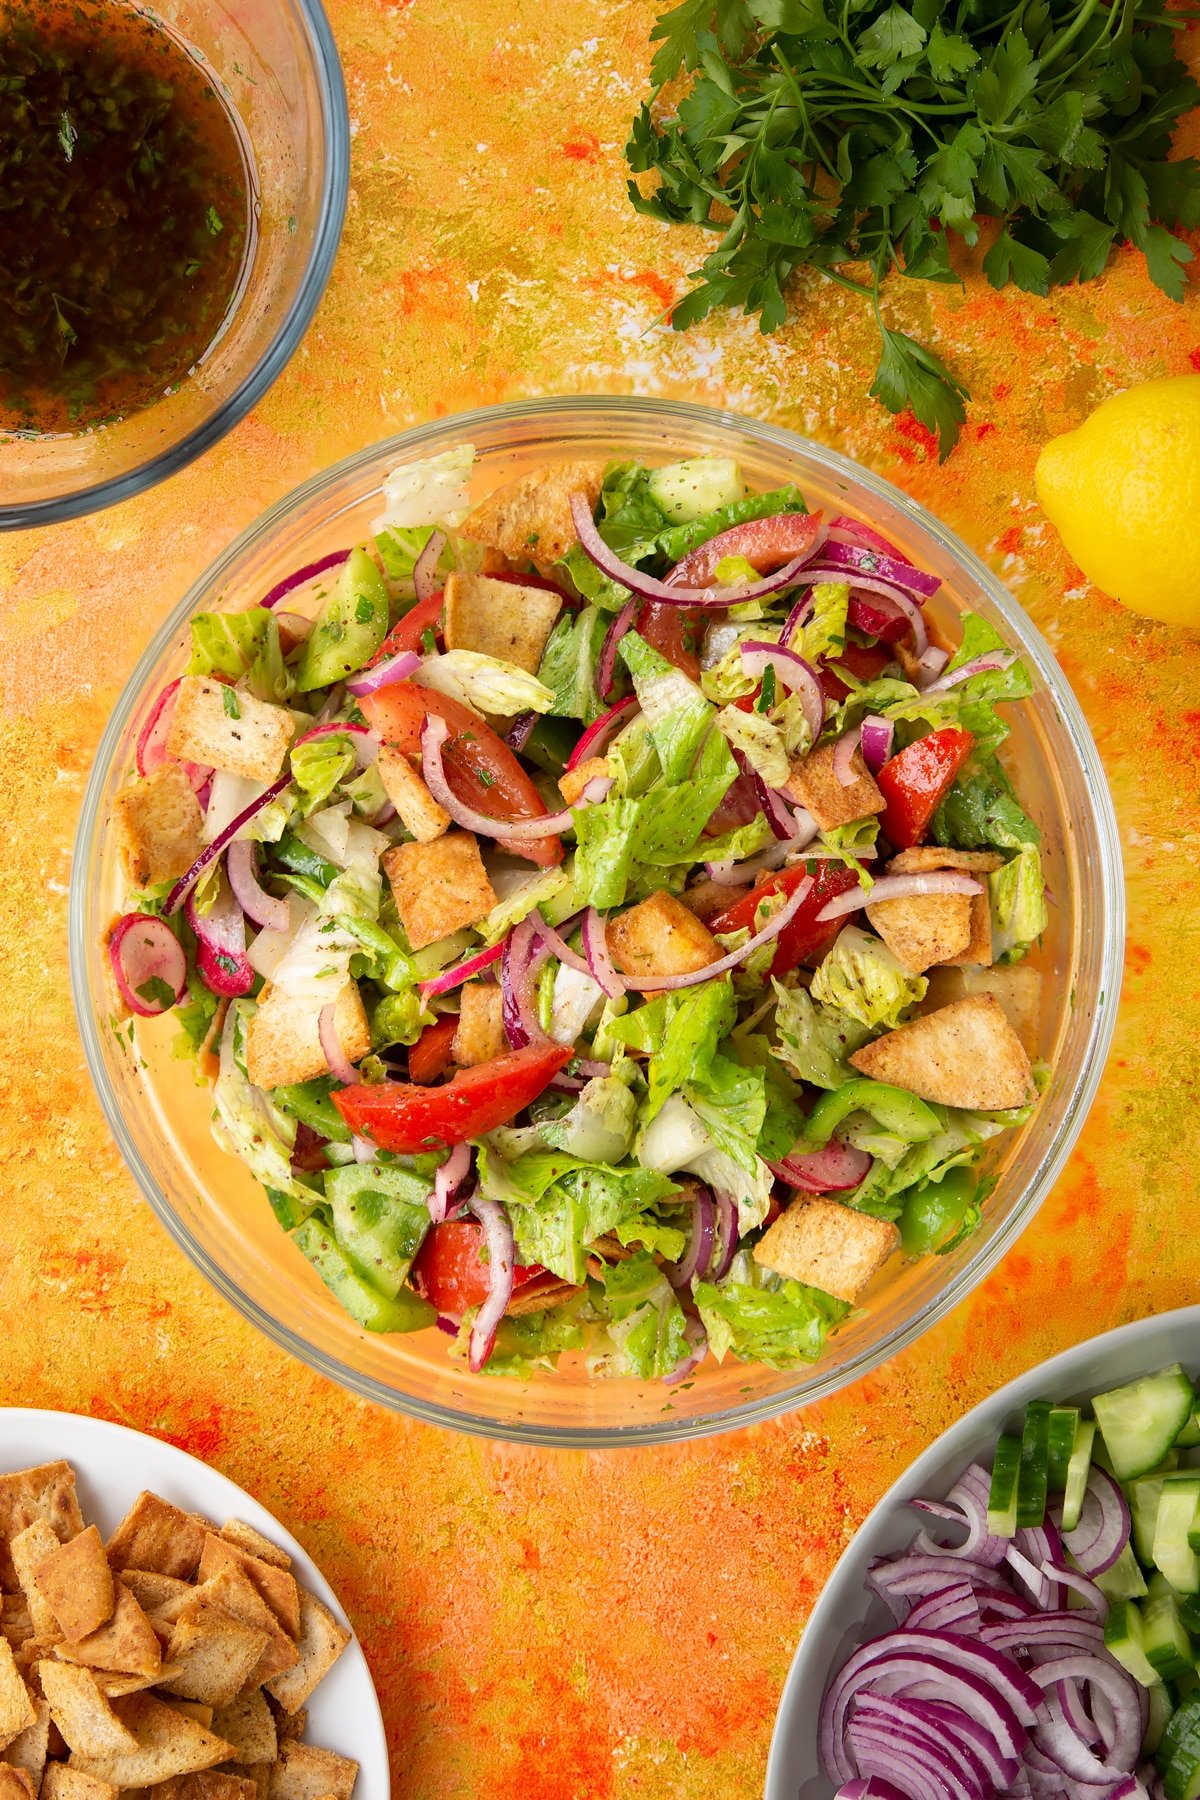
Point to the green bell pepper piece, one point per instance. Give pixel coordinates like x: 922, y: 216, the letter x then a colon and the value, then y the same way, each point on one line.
x: 310, y: 1102
x: 895, y: 1109
x: 934, y: 1213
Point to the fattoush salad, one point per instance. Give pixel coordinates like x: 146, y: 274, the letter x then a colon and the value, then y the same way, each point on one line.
x: 600, y: 912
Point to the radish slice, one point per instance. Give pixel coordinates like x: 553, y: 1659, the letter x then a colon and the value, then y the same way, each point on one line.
x: 597, y: 735
x: 221, y: 943
x: 599, y: 962
x: 653, y: 984
x: 151, y: 751
x: 340, y: 1066
x: 262, y: 908
x: 145, y: 954
x: 833, y: 1169
x: 595, y: 548
x: 860, y: 584
x: 876, y: 741
x: 463, y: 971
x: 448, y: 1180
x: 425, y: 567
x: 187, y: 882
x: 843, y: 756
x: 300, y: 576
x: 384, y: 674
x: 898, y: 887
x: 434, y: 733
x: 501, y: 1263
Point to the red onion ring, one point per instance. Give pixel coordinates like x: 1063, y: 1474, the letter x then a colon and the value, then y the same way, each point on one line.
x: 727, y: 1235
x: 463, y: 971
x: 600, y: 964
x: 300, y: 576
x: 151, y: 750
x: 931, y: 663
x: 241, y: 865
x: 876, y: 741
x: 557, y: 944
x: 792, y: 671
x: 843, y: 756
x: 728, y: 873
x: 858, y: 559
x: 771, y: 802
x: 697, y: 1339
x: 523, y: 957
x: 521, y: 730
x: 385, y: 673
x: 898, y: 887
x: 143, y: 948
x: 434, y: 733
x: 447, y: 1181
x: 865, y: 583
x: 220, y: 932
x: 653, y: 984
x: 187, y: 882
x: 1104, y: 1524
x: 425, y: 568
x: 647, y: 588
x: 844, y: 529
x: 702, y: 1237
x: 606, y: 667
x: 501, y: 1264
x: 978, y: 665
x: 340, y: 1066
x: 597, y: 735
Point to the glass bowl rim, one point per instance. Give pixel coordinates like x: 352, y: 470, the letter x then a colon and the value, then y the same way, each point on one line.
x: 812, y: 1385
x: 335, y: 124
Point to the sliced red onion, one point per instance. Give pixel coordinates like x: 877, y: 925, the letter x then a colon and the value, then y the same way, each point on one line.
x: 843, y: 756
x: 793, y: 672
x: 263, y: 909
x: 557, y: 944
x: 448, y: 1180
x: 384, y: 816
x: 501, y: 1264
x: 523, y: 956
x: 845, y: 530
x: 889, y: 1733
x: 697, y: 1339
x: 647, y: 588
x: 1104, y: 1524
x: 363, y: 1148
x: 151, y: 750
x: 364, y: 743
x: 521, y: 730
x: 142, y: 948
x: 899, y: 887
x: 340, y: 1066
x: 931, y: 663
x: 221, y: 942
x: 1061, y: 1744
x: 596, y: 737
x: 869, y: 1787
x: 771, y: 802
x: 295, y: 625
x: 727, y: 1235
x: 384, y: 674
x: 446, y: 1324
x: 567, y: 1084
x: 978, y: 665
x: 965, y: 1505
x: 425, y: 568
x: 876, y: 741
x: 606, y: 666
x: 463, y: 971
x: 859, y: 559
x: 950, y: 1609
x: 600, y: 964
x: 653, y: 984
x: 702, y: 1239
x: 434, y: 733
x: 746, y: 540
x: 592, y: 1066
x: 833, y: 1169
x: 187, y: 882
x: 300, y: 576
x: 332, y: 703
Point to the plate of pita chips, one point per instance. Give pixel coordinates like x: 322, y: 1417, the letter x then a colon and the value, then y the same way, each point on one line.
x: 162, y: 1637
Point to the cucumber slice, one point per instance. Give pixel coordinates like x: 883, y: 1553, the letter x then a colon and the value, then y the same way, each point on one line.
x: 1185, y: 1720
x: 1189, y: 1437
x: 1035, y: 1465
x: 1161, y: 1707
x: 1165, y: 1640
x: 1189, y: 1612
x: 1002, y: 1496
x: 1172, y: 1552
x: 1123, y: 1639
x: 1078, y: 1470
x: 1181, y: 1780
x: 1124, y: 1581
x: 1060, y: 1442
x: 1140, y: 1422
x: 1143, y: 1497
x: 687, y: 490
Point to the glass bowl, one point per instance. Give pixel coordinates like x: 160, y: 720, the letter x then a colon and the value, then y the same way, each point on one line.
x: 280, y: 75
x: 220, y: 1216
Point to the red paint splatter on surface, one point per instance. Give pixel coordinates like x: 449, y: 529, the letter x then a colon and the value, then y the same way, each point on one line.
x: 1137, y: 958
x: 1194, y: 358
x: 584, y: 147
x: 908, y: 427
x: 1009, y: 542
x: 986, y: 429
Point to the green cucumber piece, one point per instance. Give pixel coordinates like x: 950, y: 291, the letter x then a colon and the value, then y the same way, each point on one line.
x: 380, y: 1218
x: 1189, y: 1612
x: 688, y: 490
x: 1124, y: 1581
x: 1175, y: 1520
x: 1181, y: 1781
x: 1002, y: 1496
x: 1185, y: 1720
x: 1035, y: 1465
x: 1189, y: 1437
x: 350, y: 626
x: 369, y: 1308
x: 1140, y: 1422
x: 1078, y: 1469
x: 1165, y: 1640
x: 1123, y: 1639
x: 1061, y: 1438
x: 1162, y: 1706
x: 1143, y: 1497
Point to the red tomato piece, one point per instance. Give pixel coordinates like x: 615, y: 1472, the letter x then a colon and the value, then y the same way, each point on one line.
x: 429, y: 1057
x: 916, y: 781
x: 450, y: 1271
x: 399, y: 1116
x: 480, y: 767
x: 406, y: 633
x: 803, y: 939
x: 666, y: 629
x: 765, y: 543
x: 877, y: 617
x: 865, y: 661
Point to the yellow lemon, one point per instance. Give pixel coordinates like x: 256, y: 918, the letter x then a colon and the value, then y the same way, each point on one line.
x: 1124, y: 491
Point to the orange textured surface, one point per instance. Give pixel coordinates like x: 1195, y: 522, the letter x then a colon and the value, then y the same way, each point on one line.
x: 560, y: 1625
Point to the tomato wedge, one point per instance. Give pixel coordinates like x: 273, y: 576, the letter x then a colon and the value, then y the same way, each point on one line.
x: 480, y: 767
x: 916, y: 781
x: 665, y: 629
x: 399, y: 1116
x: 803, y: 939
x: 429, y: 1057
x: 765, y: 543
x: 406, y: 633
x: 450, y: 1271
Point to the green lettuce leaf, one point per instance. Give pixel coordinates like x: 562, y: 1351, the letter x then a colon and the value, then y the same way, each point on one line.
x: 679, y: 716
x: 760, y: 741
x: 318, y: 767
x: 569, y: 663
x: 531, y: 1344
x: 678, y: 1139
x: 1017, y: 896
x: 777, y: 1322
x: 815, y: 1041
x: 861, y: 977
x: 823, y: 634
x: 783, y: 1120
x: 246, y: 1121
x: 560, y: 1204
x: 679, y: 1032
x: 982, y: 812
x: 674, y: 543
x: 646, y: 1323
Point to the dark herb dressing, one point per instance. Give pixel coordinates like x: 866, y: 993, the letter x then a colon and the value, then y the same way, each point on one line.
x: 126, y: 213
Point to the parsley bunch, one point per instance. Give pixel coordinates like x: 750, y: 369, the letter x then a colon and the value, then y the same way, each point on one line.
x: 861, y: 132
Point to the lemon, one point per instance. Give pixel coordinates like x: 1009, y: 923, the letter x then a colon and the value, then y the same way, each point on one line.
x: 1124, y: 491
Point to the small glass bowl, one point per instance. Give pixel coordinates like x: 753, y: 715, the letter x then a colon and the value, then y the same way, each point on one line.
x: 280, y: 75
x: 218, y: 1213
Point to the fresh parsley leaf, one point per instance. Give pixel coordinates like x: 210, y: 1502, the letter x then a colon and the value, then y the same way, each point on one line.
x: 1007, y: 260
x: 229, y: 701
x: 156, y: 992
x: 910, y: 375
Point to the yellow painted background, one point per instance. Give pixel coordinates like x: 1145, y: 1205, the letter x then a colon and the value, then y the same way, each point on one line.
x: 570, y: 1625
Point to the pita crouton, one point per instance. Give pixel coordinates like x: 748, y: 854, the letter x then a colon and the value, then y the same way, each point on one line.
x: 30, y: 1548
x: 289, y: 1725
x: 660, y: 937
x: 60, y: 1782
x: 28, y: 1750
x: 523, y: 1303
x: 305, y: 1773
x: 16, y: 1707
x: 126, y: 1644
x: 827, y: 1245
x: 82, y: 1713
x: 274, y: 1585
x: 231, y: 1590
x: 923, y: 929
x: 15, y: 1622
x: 498, y: 618
x: 212, y: 1656
x: 283, y: 1043
x: 258, y: 1773
x: 16, y: 1784
x: 236, y: 1531
x: 439, y: 887
x: 157, y: 1537
x: 814, y: 786
x: 76, y: 1582
x: 924, y: 858
x: 154, y: 1592
x: 249, y: 1725
x: 529, y: 519
x: 965, y: 1054
x: 207, y: 1784
x: 572, y: 782
x: 47, y: 1492
x: 480, y: 1035
x: 157, y: 822
x: 233, y: 731
x: 168, y: 1744
x: 708, y: 898
x: 116, y: 1686
x: 1017, y: 988
x: 321, y: 1641
x: 420, y: 814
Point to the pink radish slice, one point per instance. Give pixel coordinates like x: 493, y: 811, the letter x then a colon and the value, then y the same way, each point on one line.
x: 148, y: 964
x: 221, y: 943
x: 152, y: 743
x: 835, y: 1167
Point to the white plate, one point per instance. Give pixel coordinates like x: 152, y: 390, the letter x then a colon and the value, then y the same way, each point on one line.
x: 847, y: 1613
x: 112, y: 1466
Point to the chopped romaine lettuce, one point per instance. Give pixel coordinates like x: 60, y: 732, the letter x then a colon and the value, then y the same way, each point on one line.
x: 569, y: 663
x: 981, y: 811
x: 760, y: 742
x: 823, y: 634
x: 319, y: 765
x: 674, y: 543
x: 228, y: 643
x: 247, y: 1122
x: 599, y: 1127
x: 861, y: 977
x: 560, y: 1204
x: 679, y: 716
x: 433, y: 491
x: 759, y: 1317
x: 677, y: 1139
x: 484, y: 683
x: 679, y: 1032
x: 646, y: 1323
x: 529, y: 1344
x: 1017, y: 896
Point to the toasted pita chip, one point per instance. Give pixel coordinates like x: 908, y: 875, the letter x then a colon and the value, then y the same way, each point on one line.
x: 249, y: 1725
x: 965, y: 1054
x: 304, y: 1772
x: 29, y: 1654
x: 277, y: 1586
x: 529, y: 519
x: 15, y: 1622
x: 258, y: 1773
x: 117, y: 1686
x: 523, y: 1304
x: 153, y: 1591
x: 62, y: 1783
x: 925, y: 857
x: 28, y: 1751
x: 28, y: 1549
x: 16, y: 1707
x: 167, y: 1744
x: 827, y: 1245
x: 291, y: 1725
x: 231, y: 1590
x: 321, y: 1642
x: 47, y: 1492
x: 209, y: 1784
x: 76, y: 1583
x: 195, y: 1709
x: 82, y: 1713
x: 923, y: 929
x: 16, y: 1784
x: 1016, y: 987
x: 236, y: 1531
x: 126, y: 1644
x: 155, y: 1535
x: 212, y: 1656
